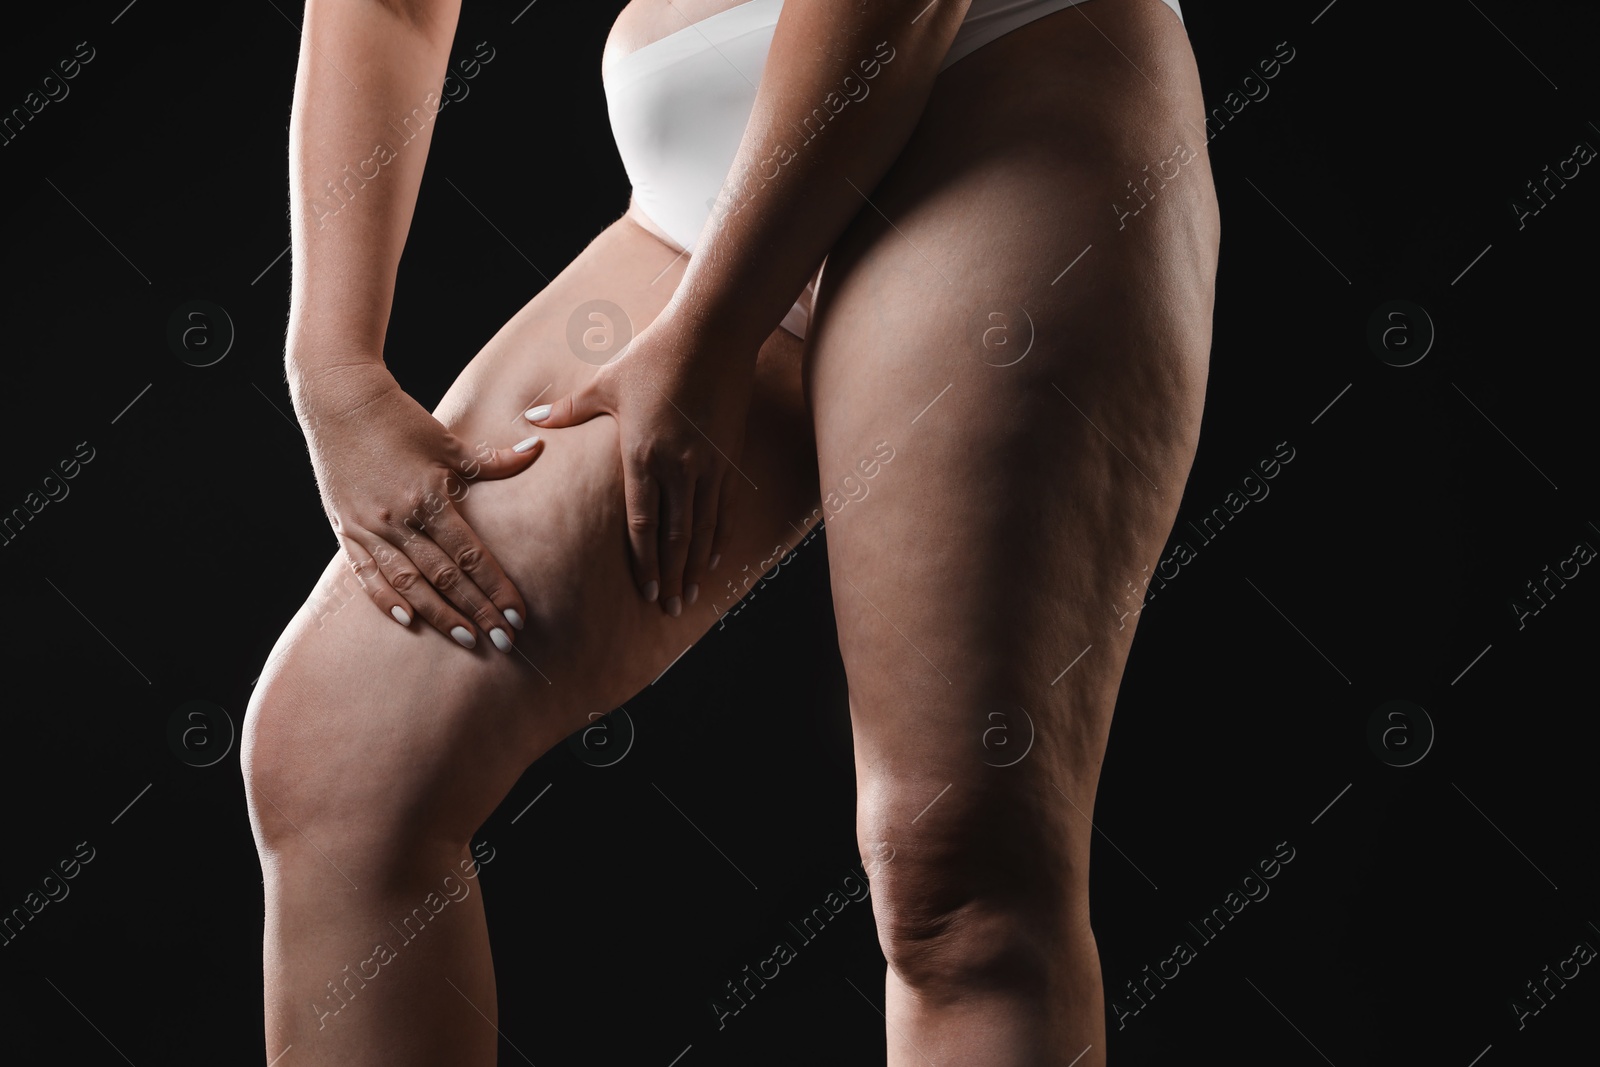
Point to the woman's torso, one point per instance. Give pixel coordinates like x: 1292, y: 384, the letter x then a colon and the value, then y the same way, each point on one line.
x: 641, y: 23
x: 679, y: 107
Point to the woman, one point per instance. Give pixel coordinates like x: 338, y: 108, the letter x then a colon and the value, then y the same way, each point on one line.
x: 1015, y: 213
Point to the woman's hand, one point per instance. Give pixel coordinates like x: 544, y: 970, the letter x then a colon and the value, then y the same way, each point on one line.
x: 680, y: 398
x: 390, y: 476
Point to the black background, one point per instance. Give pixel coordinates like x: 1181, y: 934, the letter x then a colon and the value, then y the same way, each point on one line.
x: 1381, y: 567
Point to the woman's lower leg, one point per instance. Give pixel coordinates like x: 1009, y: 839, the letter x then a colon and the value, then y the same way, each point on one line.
x: 377, y: 961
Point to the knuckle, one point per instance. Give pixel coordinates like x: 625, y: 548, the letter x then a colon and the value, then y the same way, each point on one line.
x: 446, y: 575
x: 642, y: 521
x: 470, y: 558
x: 440, y: 617
x: 403, y: 580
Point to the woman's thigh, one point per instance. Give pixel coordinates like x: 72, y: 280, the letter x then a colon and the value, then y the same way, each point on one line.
x: 382, y: 727
x: 1035, y: 359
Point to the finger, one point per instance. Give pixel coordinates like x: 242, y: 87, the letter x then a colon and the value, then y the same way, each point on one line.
x: 502, y: 609
x: 677, y: 518
x: 726, y: 516
x: 642, y: 498
x: 404, y: 577
x: 580, y: 405
x: 371, y: 579
x: 702, y: 529
x: 493, y: 463
x: 440, y: 572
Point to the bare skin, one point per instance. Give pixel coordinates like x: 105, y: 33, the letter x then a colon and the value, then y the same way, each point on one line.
x: 1031, y: 493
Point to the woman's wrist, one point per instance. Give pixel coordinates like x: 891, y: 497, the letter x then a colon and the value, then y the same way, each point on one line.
x: 712, y: 325
x: 331, y: 384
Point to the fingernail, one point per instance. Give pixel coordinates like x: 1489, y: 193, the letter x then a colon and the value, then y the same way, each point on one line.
x: 523, y: 446
x: 535, y: 414
x: 513, y: 618
x: 674, y: 606
x: 501, y: 641
x: 651, y: 588
x: 691, y: 592
x: 400, y: 615
x: 464, y: 637
x: 715, y: 560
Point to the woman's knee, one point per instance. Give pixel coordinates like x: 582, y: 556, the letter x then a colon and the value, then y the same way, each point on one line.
x: 347, y: 762
x: 976, y: 889
x: 306, y: 790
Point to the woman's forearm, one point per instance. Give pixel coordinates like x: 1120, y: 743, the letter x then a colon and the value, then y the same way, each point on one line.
x: 843, y: 87
x: 366, y: 97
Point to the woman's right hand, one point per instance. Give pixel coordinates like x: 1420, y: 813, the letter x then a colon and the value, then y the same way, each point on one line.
x: 390, y: 475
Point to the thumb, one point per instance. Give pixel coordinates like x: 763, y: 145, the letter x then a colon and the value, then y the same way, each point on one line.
x: 490, y: 464
x: 580, y: 405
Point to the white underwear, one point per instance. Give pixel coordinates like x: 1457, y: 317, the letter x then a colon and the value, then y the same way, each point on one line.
x: 680, y: 104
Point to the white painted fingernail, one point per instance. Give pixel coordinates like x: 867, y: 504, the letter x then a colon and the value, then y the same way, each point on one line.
x: 400, y: 615
x: 535, y: 414
x: 651, y: 588
x: 501, y: 641
x: 464, y: 637
x: 513, y: 618
x: 674, y: 606
x: 716, y: 559
x: 523, y: 446
x: 691, y: 593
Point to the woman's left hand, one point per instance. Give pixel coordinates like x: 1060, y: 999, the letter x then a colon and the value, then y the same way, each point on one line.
x: 680, y: 397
